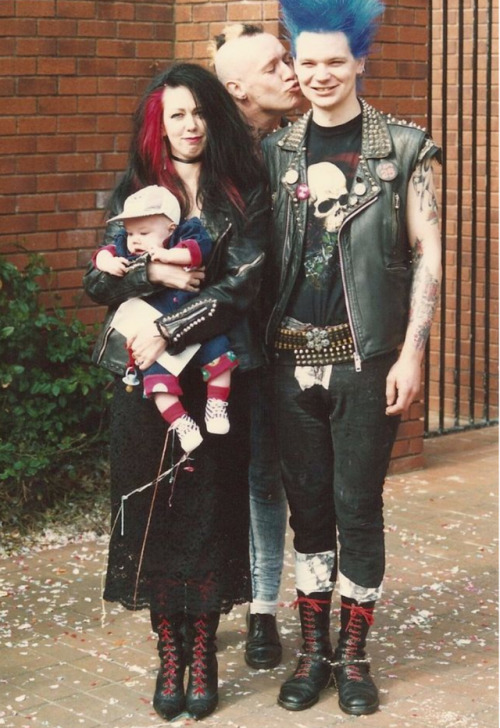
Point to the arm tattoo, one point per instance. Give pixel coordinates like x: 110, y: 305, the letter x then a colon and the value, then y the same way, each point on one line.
x: 424, y: 299
x: 424, y: 190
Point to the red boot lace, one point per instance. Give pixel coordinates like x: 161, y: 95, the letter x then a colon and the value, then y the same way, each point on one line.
x: 199, y: 664
x: 310, y: 606
x: 169, y: 655
x: 353, y: 629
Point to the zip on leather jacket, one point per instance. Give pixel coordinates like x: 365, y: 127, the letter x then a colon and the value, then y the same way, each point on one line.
x: 224, y: 305
x: 375, y: 256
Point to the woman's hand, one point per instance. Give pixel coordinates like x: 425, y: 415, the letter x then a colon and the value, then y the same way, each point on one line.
x: 175, y: 276
x: 146, y: 346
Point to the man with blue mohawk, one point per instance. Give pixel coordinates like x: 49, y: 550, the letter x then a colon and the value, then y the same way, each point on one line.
x: 356, y: 274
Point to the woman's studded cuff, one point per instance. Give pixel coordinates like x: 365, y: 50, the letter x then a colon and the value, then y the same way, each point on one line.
x: 161, y: 331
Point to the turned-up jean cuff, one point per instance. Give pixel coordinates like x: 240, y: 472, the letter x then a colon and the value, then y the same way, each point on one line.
x: 313, y: 572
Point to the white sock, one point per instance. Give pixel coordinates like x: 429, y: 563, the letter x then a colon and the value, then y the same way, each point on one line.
x: 259, y: 606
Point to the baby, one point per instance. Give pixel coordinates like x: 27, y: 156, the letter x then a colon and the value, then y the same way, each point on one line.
x: 151, y: 219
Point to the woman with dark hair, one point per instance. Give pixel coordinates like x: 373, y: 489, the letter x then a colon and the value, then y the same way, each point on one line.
x: 179, y: 544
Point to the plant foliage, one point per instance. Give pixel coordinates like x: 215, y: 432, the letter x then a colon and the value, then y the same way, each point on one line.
x: 53, y: 400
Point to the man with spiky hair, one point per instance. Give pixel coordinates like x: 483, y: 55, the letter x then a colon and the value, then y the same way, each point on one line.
x: 357, y: 268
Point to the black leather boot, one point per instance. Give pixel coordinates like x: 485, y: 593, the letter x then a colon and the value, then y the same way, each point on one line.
x: 201, y: 694
x: 168, y: 700
x: 314, y: 671
x: 358, y: 694
x: 263, y: 646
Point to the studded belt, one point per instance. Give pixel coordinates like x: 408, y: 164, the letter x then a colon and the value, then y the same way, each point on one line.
x: 315, y: 345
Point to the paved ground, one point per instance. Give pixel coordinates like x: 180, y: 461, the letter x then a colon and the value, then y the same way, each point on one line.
x: 64, y: 663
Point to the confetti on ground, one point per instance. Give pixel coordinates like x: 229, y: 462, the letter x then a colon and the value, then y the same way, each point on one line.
x: 433, y: 645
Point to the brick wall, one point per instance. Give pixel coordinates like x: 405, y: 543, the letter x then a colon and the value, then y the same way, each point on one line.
x: 70, y: 74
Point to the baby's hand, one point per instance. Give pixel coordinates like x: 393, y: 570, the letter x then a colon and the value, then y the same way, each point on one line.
x: 160, y: 255
x: 117, y: 266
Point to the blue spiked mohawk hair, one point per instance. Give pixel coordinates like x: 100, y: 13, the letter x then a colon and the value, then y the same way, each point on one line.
x: 355, y: 18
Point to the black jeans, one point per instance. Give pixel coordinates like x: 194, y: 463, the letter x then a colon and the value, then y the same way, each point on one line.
x: 335, y: 445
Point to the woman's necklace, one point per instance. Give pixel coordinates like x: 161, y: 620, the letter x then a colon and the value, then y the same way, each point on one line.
x: 186, y: 161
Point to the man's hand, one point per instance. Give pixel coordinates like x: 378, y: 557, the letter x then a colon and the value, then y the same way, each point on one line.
x: 174, y: 276
x: 403, y: 384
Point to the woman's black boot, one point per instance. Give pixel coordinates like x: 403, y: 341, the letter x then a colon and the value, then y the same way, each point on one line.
x: 201, y: 694
x: 358, y: 694
x: 314, y: 670
x: 168, y: 700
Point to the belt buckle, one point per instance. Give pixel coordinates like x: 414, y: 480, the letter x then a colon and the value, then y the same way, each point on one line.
x: 317, y: 339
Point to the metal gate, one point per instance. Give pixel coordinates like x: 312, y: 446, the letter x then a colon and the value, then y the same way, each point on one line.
x: 461, y: 380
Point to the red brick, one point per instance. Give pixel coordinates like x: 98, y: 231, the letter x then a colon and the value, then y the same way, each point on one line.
x: 36, y: 86
x: 18, y: 223
x: 7, y: 8
x: 18, y: 66
x: 136, y: 31
x: 76, y: 201
x: 56, y: 66
x: 116, y: 10
x: 155, y: 13
x: 76, y: 47
x: 75, y: 238
x: 57, y: 105
x: 184, y: 13
x: 185, y: 32
x: 41, y: 164
x: 156, y: 49
x: 75, y: 8
x: 17, y: 185
x: 8, y: 126
x: 26, y: 106
x: 61, y: 28
x: 406, y: 464
x: 7, y: 87
x: 241, y: 12
x: 96, y: 28
x: 36, y: 203
x: 35, y: 8
x: 97, y: 67
x: 17, y: 145
x: 71, y: 279
x: 97, y: 105
x: 61, y: 260
x: 115, y: 48
x: 77, y: 124
x: 78, y: 86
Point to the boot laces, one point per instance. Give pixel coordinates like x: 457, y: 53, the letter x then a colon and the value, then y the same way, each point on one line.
x: 310, y: 656
x: 169, y: 657
x: 199, y: 664
x: 354, y: 630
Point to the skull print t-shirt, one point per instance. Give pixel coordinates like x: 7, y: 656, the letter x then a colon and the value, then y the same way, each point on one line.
x: 332, y: 160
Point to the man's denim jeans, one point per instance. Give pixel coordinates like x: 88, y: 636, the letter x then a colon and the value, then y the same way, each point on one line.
x: 335, y: 445
x: 268, y: 508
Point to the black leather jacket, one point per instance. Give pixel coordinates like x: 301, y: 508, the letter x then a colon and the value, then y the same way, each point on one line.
x: 374, y: 250
x: 225, y: 304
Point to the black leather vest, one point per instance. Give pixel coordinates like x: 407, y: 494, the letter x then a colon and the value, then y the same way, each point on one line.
x: 374, y: 248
